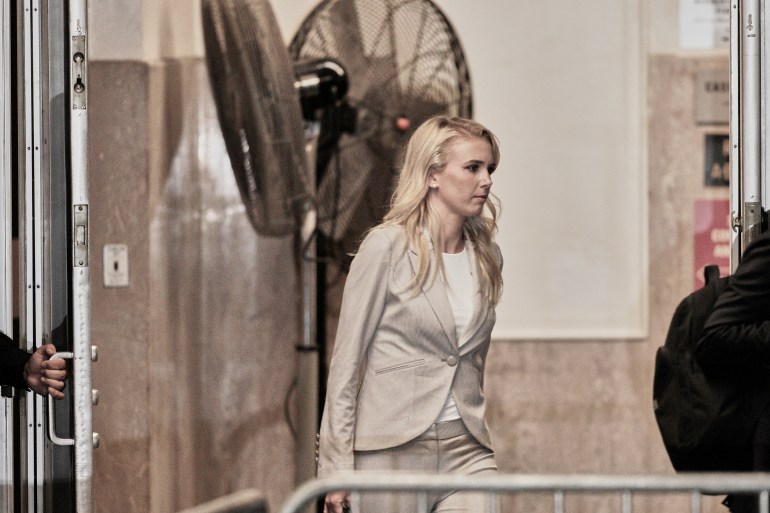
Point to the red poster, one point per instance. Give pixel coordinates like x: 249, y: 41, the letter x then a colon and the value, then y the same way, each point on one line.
x: 712, y: 237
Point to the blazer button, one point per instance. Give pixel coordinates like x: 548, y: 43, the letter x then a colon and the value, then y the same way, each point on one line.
x: 451, y: 360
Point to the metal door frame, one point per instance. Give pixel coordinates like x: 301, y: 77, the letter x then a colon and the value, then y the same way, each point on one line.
x: 748, y: 123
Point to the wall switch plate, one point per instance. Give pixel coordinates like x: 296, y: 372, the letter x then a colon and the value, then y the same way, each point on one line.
x: 115, y: 258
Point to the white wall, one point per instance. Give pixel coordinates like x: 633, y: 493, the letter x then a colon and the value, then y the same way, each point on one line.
x: 116, y: 30
x: 136, y: 29
x: 662, y: 29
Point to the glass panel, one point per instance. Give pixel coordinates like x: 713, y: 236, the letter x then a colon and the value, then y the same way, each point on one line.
x: 60, y: 474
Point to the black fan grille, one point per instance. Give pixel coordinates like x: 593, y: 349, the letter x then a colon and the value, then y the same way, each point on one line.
x: 404, y: 65
x: 258, y: 109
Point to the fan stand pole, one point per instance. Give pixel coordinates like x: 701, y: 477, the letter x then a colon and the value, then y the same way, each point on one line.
x: 307, y: 354
x: 307, y: 362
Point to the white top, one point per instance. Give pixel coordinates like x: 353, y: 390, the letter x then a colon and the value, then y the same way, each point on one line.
x: 460, y: 288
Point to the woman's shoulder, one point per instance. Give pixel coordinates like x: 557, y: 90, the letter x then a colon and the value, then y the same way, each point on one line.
x: 385, y: 235
x: 383, y: 240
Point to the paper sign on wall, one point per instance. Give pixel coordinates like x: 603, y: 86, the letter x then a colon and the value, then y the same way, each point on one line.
x: 704, y: 24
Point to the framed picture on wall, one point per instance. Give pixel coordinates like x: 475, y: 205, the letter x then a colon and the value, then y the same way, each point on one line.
x: 716, y: 168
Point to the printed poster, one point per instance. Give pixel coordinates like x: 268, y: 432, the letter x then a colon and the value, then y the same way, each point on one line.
x: 712, y: 237
x: 704, y: 24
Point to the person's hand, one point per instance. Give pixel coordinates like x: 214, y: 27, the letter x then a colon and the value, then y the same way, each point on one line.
x: 336, y: 502
x: 43, y: 375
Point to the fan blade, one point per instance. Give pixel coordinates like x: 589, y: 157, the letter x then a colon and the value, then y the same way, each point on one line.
x: 218, y: 65
x: 346, y: 33
x: 340, y: 193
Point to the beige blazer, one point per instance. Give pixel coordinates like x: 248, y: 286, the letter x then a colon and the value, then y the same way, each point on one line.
x: 396, y: 356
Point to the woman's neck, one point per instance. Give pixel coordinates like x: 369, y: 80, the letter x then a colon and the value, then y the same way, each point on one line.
x: 452, y: 235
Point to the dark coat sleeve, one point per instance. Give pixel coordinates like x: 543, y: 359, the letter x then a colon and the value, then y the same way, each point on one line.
x: 736, y: 336
x: 12, y: 361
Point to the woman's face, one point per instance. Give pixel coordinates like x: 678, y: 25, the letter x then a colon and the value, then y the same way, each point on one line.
x: 461, y: 187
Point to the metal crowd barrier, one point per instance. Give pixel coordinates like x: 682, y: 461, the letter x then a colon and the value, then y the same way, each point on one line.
x: 627, y: 486
x: 244, y: 501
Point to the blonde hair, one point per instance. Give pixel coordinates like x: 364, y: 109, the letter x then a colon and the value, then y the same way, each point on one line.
x: 425, y: 153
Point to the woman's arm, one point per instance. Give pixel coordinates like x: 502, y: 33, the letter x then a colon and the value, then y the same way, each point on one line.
x: 363, y: 301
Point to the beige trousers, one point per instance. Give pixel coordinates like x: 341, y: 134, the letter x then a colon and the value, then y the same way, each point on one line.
x: 446, y: 447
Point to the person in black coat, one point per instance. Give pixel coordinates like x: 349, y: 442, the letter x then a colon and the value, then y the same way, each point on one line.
x: 735, y: 343
x: 35, y: 371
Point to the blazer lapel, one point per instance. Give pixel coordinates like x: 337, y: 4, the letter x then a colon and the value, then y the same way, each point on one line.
x: 480, y: 307
x: 435, y: 292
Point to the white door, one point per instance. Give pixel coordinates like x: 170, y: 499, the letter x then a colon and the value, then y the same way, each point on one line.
x: 749, y: 116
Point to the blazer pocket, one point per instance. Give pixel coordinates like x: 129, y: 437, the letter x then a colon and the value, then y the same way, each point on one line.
x: 400, y: 366
x: 395, y: 387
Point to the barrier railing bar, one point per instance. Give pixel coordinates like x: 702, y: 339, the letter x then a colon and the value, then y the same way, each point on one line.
x: 705, y: 483
x: 558, y: 502
x: 422, y: 501
x: 763, y: 502
x: 491, y: 502
x: 695, y: 502
x: 626, y: 502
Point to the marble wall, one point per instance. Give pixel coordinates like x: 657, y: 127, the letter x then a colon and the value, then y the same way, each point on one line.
x: 197, y: 354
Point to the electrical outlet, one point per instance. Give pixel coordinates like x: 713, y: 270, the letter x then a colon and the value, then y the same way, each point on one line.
x: 115, y: 258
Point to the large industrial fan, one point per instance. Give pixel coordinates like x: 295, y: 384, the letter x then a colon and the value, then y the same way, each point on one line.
x: 362, y: 74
